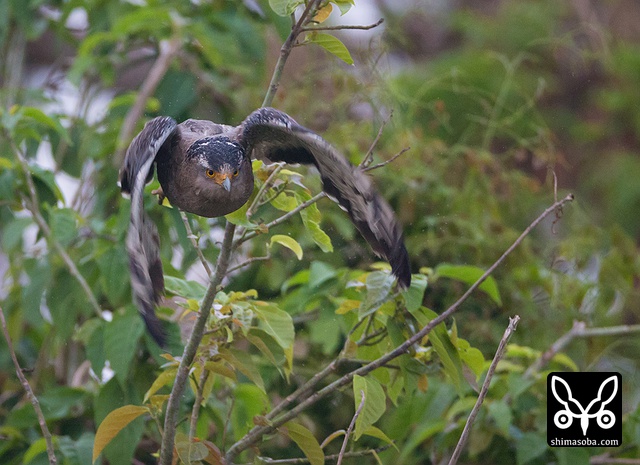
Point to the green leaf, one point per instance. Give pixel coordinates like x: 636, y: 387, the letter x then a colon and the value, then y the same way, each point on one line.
x: 441, y: 342
x: 529, y: 447
x: 415, y: 294
x: 374, y: 403
x: 501, y: 414
x: 249, y: 402
x: 344, y: 5
x: 306, y: 442
x: 284, y: 7
x: 378, y: 285
x: 12, y: 233
x: 277, y: 323
x: 239, y: 217
x: 311, y: 220
x: 332, y: 45
x: 63, y: 225
x: 164, y: 379
x: 289, y: 243
x: 470, y: 274
x: 184, y: 288
x: 190, y: 452
x: 285, y: 202
x: 243, y: 362
x: 113, y: 424
x: 375, y: 432
x: 120, y: 340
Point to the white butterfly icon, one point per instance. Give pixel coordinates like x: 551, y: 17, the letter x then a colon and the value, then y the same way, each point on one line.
x: 564, y: 418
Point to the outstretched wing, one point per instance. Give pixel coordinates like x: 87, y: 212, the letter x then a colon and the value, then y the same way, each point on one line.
x: 272, y: 135
x: 143, y: 243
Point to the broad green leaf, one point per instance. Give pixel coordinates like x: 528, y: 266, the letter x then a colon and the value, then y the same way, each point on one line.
x: 332, y: 45
x: 374, y: 403
x: 530, y: 446
x: 188, y: 451
x: 40, y: 117
x: 63, y: 225
x: 378, y: 433
x: 12, y: 232
x: 36, y: 448
x: 277, y: 323
x: 344, y: 5
x: 563, y: 359
x: 313, y: 227
x: 250, y: 402
x: 306, y: 442
x: 470, y: 274
x: 289, y: 243
x: 164, y: 379
x: 415, y: 294
x: 113, y: 424
x: 471, y: 356
x: 120, y: 340
x: 501, y: 414
x: 284, y: 7
x: 184, y: 288
x: 572, y: 455
x: 239, y: 217
x: 220, y: 369
x: 243, y: 362
x: 441, y: 342
x: 285, y: 202
x: 378, y: 285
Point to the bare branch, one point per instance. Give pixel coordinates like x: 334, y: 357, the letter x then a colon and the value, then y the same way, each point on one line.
x: 30, y: 395
x: 148, y: 87
x: 350, y: 429
x: 173, y: 405
x: 256, y: 433
x: 579, y: 329
x: 248, y: 262
x: 368, y: 158
x: 327, y: 458
x: 513, y: 323
x: 267, y: 184
x: 32, y: 205
x: 344, y: 27
x: 195, y: 411
x: 386, y: 162
x: 281, y: 219
x: 194, y: 242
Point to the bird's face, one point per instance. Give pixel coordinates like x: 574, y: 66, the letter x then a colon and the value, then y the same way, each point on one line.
x: 218, y: 160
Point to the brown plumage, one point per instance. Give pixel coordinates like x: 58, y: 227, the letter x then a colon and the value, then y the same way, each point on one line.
x: 205, y: 168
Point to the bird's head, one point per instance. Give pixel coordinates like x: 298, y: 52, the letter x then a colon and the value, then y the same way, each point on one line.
x: 218, y: 160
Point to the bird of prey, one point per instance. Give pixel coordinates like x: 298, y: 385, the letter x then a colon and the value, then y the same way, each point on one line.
x: 205, y: 168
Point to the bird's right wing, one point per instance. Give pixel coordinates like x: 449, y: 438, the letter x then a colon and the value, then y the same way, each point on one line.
x: 274, y: 136
x: 143, y: 243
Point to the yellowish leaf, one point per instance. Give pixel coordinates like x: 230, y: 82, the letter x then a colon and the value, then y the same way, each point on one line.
x: 113, y: 424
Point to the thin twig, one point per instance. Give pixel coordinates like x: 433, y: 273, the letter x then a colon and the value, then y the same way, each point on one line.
x: 33, y: 207
x: 327, y: 458
x: 340, y: 28
x: 386, y: 162
x: 368, y: 157
x: 267, y: 184
x: 148, y: 87
x: 248, y: 262
x: 608, y: 460
x: 350, y: 429
x: 194, y: 242
x: 513, y: 323
x: 579, y: 329
x: 173, y: 405
x: 30, y: 395
x: 256, y: 433
x: 195, y: 411
x: 286, y: 48
x: 279, y: 220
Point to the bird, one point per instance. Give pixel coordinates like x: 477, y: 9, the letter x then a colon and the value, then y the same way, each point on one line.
x: 205, y: 168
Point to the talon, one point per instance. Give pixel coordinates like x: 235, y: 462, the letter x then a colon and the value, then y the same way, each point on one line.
x: 160, y: 193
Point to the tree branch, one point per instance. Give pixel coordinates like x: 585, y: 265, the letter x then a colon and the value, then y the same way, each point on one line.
x: 173, y: 405
x: 513, y: 323
x: 256, y: 433
x: 148, y: 87
x: 344, y: 27
x: 30, y: 395
x: 350, y: 429
x: 32, y: 205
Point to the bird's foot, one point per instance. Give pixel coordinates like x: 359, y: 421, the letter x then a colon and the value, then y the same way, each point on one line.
x: 160, y: 193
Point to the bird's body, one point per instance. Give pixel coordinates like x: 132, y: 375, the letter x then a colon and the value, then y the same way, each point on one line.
x: 205, y: 168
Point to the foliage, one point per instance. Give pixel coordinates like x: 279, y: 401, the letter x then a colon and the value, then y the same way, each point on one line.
x: 484, y: 120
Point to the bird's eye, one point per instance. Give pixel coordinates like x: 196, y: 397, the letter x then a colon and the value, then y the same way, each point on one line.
x: 210, y: 173
x: 236, y: 173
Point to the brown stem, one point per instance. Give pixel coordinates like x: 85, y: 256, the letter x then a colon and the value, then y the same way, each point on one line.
x: 30, y: 395
x: 256, y: 433
x: 513, y: 323
x: 343, y: 449
x: 173, y: 405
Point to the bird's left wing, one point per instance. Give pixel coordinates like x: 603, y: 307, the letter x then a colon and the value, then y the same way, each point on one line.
x: 272, y: 135
x: 143, y: 243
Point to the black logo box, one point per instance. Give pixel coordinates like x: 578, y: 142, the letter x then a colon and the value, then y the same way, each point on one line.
x: 584, y: 400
